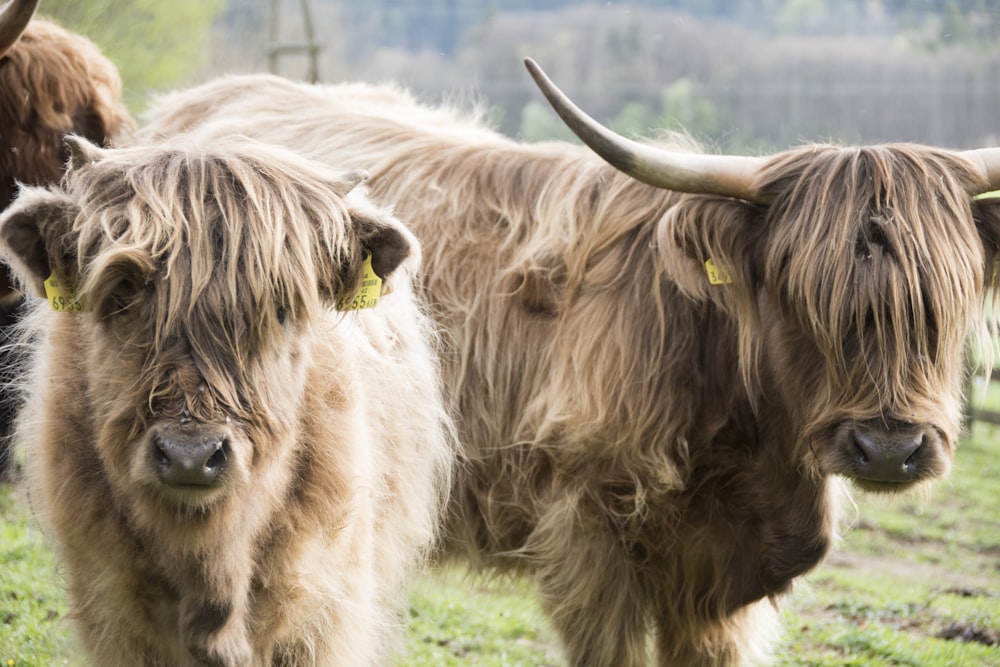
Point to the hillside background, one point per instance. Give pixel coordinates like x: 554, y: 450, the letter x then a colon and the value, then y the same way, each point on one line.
x: 740, y: 75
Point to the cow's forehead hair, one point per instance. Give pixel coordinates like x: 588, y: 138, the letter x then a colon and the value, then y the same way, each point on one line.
x: 251, y: 221
x: 878, y: 240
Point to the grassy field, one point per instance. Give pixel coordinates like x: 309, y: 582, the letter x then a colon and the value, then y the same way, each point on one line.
x: 916, y: 582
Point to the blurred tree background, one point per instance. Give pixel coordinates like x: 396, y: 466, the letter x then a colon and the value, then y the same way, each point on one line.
x: 739, y: 75
x: 154, y: 44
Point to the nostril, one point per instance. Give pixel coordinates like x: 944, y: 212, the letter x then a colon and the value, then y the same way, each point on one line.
x: 162, y: 459
x: 913, y: 460
x: 217, y: 461
x: 859, y: 452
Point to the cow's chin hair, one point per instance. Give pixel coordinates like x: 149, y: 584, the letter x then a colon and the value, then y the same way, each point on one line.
x: 191, y: 502
x: 887, y: 488
x: 159, y: 508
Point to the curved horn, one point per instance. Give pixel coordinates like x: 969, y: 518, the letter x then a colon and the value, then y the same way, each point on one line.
x: 14, y: 17
x: 727, y: 175
x: 987, y: 162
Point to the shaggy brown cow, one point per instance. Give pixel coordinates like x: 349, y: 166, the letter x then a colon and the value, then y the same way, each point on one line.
x: 51, y: 83
x: 662, y: 453
x: 235, y: 472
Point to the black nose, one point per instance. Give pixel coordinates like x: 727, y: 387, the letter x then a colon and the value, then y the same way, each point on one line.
x: 189, y: 459
x: 888, y: 455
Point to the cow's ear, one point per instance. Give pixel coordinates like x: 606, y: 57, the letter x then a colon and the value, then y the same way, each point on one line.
x: 81, y: 151
x: 389, y: 242
x: 986, y: 213
x: 707, y: 245
x: 377, y: 231
x: 35, y: 238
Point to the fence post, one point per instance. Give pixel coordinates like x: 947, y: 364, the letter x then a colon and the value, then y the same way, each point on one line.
x: 309, y: 46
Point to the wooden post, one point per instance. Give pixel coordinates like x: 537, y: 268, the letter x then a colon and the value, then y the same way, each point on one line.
x: 276, y: 49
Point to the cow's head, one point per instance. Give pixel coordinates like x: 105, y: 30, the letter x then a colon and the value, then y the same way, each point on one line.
x: 196, y: 275
x: 855, y: 276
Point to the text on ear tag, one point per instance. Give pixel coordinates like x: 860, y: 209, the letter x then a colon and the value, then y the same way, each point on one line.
x: 369, y: 291
x: 717, y: 275
x: 62, y: 298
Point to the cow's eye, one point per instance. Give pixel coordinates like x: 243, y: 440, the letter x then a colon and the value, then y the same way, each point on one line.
x: 282, y: 313
x: 116, y: 305
x: 120, y: 300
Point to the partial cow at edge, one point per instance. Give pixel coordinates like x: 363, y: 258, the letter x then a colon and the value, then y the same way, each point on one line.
x: 659, y: 388
x: 235, y: 471
x: 52, y: 82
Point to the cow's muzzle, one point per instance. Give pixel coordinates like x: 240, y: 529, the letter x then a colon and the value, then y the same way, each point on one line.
x: 190, y: 457
x: 886, y: 456
x: 881, y: 455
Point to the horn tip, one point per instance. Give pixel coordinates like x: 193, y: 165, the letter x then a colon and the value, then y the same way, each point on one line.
x: 533, y: 68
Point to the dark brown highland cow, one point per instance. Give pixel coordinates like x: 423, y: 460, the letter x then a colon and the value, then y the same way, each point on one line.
x: 235, y: 473
x: 660, y: 453
x: 52, y: 82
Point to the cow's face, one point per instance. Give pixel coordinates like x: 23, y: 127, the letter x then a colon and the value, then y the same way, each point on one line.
x: 204, y: 273
x: 856, y: 277
x: 854, y: 292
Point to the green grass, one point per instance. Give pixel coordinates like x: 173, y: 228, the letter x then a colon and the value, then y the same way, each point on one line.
x: 910, y: 571
x: 458, y: 620
x: 32, y: 630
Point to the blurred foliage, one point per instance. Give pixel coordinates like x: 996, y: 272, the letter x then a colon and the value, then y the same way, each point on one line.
x: 438, y: 24
x: 155, y: 45
x: 746, y: 76
x: 538, y: 123
x: 739, y: 75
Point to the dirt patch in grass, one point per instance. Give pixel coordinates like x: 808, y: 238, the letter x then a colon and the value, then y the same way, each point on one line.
x: 899, y: 566
x: 966, y: 632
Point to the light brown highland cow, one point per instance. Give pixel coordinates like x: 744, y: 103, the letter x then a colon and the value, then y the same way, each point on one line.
x: 660, y: 388
x: 235, y: 473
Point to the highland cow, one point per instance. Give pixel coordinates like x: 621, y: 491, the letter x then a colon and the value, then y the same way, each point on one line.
x: 52, y: 83
x: 239, y: 466
x: 659, y: 389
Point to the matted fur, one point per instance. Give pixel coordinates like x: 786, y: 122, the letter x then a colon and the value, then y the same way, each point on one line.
x: 661, y: 454
x: 212, y: 272
x: 52, y: 82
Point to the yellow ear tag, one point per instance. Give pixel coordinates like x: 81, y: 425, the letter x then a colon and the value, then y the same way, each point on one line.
x: 717, y: 275
x: 368, y: 293
x: 62, y: 299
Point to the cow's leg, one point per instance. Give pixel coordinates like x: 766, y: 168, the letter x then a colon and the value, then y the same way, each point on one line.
x: 591, y: 594
x: 215, y: 634
x: 212, y: 616
x: 740, y: 640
